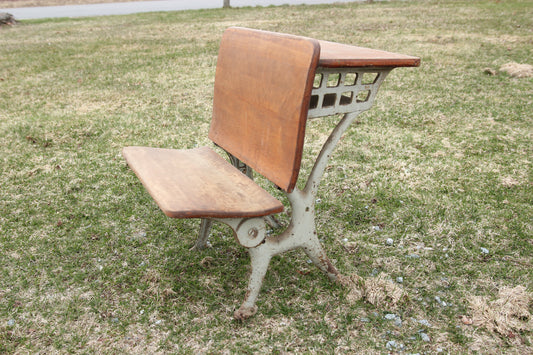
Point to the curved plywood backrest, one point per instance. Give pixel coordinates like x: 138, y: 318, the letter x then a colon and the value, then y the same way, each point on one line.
x: 263, y: 86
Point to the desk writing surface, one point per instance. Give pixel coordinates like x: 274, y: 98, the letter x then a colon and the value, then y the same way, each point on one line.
x: 335, y: 55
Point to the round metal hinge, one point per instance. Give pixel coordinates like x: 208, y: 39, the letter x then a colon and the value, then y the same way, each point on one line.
x: 251, y: 232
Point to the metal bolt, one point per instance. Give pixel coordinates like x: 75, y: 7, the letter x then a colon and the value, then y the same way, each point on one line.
x: 253, y: 232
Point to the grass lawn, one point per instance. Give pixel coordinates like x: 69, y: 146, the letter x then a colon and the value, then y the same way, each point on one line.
x: 428, y: 198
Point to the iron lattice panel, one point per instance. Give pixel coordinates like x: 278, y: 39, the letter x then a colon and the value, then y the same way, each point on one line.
x: 343, y: 90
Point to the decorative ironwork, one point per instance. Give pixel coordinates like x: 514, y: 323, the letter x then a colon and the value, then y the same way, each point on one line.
x: 245, y: 169
x: 343, y: 90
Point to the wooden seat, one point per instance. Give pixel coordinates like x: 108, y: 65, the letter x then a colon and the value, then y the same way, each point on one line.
x: 198, y: 183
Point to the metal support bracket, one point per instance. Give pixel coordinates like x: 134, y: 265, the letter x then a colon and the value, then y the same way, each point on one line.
x: 348, y: 91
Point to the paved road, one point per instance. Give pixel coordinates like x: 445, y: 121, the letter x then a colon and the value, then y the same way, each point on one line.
x: 125, y: 8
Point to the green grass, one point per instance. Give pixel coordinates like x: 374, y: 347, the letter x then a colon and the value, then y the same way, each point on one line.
x: 441, y: 165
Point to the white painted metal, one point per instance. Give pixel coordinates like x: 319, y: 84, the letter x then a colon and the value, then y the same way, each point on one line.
x: 249, y: 232
x: 343, y: 90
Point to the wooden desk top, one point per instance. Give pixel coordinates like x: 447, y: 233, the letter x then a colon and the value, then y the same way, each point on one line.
x: 335, y: 55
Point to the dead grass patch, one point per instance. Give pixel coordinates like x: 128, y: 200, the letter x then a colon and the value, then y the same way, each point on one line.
x: 508, y: 314
x: 380, y: 291
x: 509, y: 181
x: 517, y: 70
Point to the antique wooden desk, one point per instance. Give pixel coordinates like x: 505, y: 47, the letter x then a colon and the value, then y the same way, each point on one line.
x: 266, y: 87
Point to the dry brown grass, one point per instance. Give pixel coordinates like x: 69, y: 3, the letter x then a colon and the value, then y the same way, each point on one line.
x: 379, y: 291
x: 507, y: 314
x: 518, y: 70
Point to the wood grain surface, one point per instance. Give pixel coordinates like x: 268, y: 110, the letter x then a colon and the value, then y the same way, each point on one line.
x: 198, y: 183
x: 262, y: 89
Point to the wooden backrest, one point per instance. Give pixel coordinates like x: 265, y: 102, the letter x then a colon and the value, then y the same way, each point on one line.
x: 263, y: 86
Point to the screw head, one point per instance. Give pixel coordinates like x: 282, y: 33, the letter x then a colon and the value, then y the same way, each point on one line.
x: 253, y: 232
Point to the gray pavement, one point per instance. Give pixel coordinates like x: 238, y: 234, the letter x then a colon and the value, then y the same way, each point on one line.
x: 124, y: 8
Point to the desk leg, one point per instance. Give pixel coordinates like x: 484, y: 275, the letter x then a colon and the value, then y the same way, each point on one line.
x: 260, y: 259
x: 303, y: 233
x: 205, y: 228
